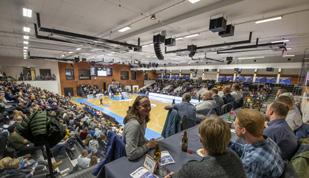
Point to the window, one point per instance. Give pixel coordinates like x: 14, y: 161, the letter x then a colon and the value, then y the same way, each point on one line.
x: 45, y: 72
x: 145, y: 76
x: 133, y: 75
x: 124, y: 75
x: 84, y: 74
x: 68, y: 92
x: 69, y: 74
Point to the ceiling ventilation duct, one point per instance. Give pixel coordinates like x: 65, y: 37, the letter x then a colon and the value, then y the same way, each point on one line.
x: 214, y: 45
x: 76, y: 38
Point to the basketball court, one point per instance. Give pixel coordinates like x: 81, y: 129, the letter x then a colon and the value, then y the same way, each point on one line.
x: 117, y: 108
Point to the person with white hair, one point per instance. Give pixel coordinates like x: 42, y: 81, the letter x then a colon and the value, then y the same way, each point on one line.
x: 305, y: 106
x: 205, y: 107
x: 186, y: 110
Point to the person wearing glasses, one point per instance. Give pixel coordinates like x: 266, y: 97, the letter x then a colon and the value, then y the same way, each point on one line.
x: 136, y: 145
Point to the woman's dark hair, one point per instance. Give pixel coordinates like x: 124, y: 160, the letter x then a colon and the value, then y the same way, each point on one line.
x: 133, y: 110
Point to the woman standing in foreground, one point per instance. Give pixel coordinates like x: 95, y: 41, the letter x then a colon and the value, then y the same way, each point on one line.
x: 136, y: 144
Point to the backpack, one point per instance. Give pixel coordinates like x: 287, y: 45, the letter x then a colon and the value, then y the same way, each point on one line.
x: 42, y: 129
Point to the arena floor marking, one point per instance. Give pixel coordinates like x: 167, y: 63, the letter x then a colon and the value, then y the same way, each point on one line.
x: 157, y: 114
x: 149, y: 132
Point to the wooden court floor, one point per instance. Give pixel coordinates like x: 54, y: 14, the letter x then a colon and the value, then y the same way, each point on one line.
x: 157, y: 113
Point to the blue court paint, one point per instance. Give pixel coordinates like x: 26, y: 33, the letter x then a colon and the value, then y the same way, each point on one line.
x: 119, y: 98
x: 149, y: 133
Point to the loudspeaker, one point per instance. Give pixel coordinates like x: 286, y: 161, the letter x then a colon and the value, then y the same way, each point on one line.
x: 158, y: 38
x: 229, y: 60
x: 228, y: 32
x: 138, y: 49
x: 170, y: 42
x: 269, y: 69
x: 76, y: 59
x: 157, y: 50
x: 192, y: 49
x: 237, y: 70
x: 217, y: 25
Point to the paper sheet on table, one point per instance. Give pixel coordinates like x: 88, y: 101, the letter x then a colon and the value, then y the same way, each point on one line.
x: 142, y: 172
x: 166, y: 158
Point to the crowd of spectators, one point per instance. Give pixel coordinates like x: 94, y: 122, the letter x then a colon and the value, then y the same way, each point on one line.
x: 179, y: 87
x: 219, y: 100
x: 87, y: 89
x: 267, y: 141
x: 27, y: 76
x: 85, y: 128
x: 88, y: 128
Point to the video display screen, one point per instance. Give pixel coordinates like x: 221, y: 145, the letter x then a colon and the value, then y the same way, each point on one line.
x: 103, y: 72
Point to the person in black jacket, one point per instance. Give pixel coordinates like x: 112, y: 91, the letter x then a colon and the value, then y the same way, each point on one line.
x: 227, y: 98
x: 216, y: 97
x: 218, y: 160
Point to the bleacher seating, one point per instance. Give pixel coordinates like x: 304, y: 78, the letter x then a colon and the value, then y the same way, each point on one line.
x: 21, y: 100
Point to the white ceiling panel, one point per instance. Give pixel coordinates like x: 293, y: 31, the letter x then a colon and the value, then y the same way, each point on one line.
x: 103, y: 18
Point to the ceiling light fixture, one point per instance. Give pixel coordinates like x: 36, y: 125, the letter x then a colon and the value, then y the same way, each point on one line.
x: 191, y: 36
x: 180, y: 38
x: 26, y: 29
x: 288, y: 55
x: 269, y: 19
x: 25, y: 47
x: 153, y: 17
x: 124, y: 29
x: 280, y: 41
x: 288, y: 48
x: 70, y: 52
x: 26, y: 37
x: 25, y: 50
x: 26, y: 42
x: 193, y: 1
x: 27, y: 12
x: 250, y: 57
x: 148, y: 45
x: 77, y: 49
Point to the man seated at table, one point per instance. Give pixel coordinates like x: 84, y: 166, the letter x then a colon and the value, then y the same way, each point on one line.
x: 260, y: 156
x: 216, y: 97
x: 236, y: 92
x: 227, y: 97
x: 186, y: 110
x: 293, y: 117
x: 205, y: 107
x: 218, y: 160
x: 279, y: 131
x: 282, y: 91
